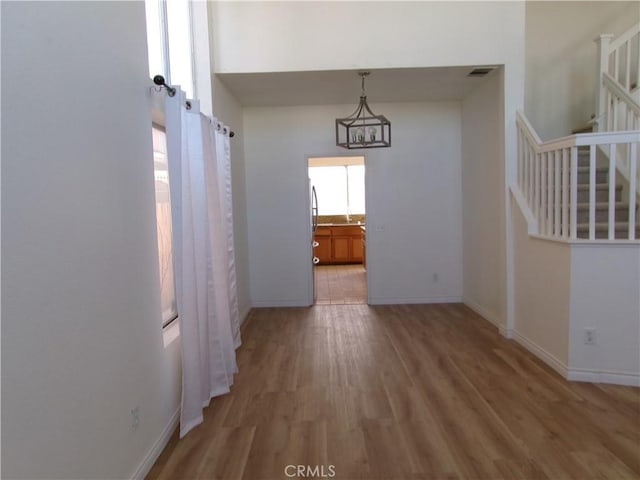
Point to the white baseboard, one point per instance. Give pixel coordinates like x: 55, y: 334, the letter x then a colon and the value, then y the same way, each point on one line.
x: 152, y: 455
x: 244, y: 313
x: 506, y: 332
x: 278, y: 303
x: 578, y: 374
x: 600, y: 376
x: 412, y: 300
x: 541, y: 353
x: 483, y: 312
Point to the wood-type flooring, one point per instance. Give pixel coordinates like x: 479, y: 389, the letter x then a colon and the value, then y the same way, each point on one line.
x: 340, y: 284
x: 402, y: 392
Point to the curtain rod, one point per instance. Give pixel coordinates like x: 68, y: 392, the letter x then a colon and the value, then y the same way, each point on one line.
x: 171, y: 91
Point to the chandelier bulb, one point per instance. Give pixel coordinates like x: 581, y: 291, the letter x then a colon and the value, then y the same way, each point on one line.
x: 372, y: 134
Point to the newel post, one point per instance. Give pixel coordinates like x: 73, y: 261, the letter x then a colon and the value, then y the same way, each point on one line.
x: 602, y: 42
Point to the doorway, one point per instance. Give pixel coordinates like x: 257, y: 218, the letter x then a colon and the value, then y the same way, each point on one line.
x: 337, y: 187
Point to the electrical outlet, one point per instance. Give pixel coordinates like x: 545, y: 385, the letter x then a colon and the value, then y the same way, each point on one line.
x: 135, y: 417
x: 589, y: 336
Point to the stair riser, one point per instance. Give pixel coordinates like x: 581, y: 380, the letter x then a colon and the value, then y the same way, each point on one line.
x: 601, y: 195
x: 583, y: 162
x: 601, y: 177
x: 622, y: 214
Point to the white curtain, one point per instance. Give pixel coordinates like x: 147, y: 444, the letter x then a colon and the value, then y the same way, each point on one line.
x: 200, y: 182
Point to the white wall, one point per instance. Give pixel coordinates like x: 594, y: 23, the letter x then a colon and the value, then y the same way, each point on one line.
x: 563, y: 289
x: 229, y: 111
x: 81, y: 336
x: 605, y: 295
x: 561, y: 60
x: 542, y: 292
x: 258, y: 36
x: 413, y: 201
x: 483, y: 208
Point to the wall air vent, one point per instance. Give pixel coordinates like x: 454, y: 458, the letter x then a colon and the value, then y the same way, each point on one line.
x: 479, y: 72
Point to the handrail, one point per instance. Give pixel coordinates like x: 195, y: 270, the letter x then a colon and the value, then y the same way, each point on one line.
x: 528, y: 130
x: 615, y: 60
x: 621, y: 92
x: 575, y: 140
x: 570, y: 193
x: 625, y: 37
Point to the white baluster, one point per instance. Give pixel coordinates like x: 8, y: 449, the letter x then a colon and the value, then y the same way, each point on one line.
x: 541, y: 193
x: 612, y: 191
x: 532, y: 176
x: 556, y: 183
x: 573, y: 203
x: 550, y: 190
x: 565, y: 193
x: 627, y: 67
x: 633, y: 188
x: 603, y: 66
x: 592, y: 192
x: 536, y: 189
x: 520, y: 161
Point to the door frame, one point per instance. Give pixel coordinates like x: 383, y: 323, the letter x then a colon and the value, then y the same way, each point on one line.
x: 307, y: 189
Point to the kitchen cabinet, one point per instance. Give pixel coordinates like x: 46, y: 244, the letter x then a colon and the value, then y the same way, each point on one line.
x: 338, y: 244
x: 323, y: 250
x: 364, y: 247
x: 340, y: 248
x: 357, y: 247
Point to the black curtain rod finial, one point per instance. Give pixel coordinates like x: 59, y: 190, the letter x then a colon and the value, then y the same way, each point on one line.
x: 159, y: 80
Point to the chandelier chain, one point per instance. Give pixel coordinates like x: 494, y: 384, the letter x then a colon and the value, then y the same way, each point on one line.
x: 363, y: 75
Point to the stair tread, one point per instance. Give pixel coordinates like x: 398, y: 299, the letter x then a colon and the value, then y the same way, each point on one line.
x: 602, y: 205
x: 587, y: 168
x: 599, y: 186
x: 618, y: 225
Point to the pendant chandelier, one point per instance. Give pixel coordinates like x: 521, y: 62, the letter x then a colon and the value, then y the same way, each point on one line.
x: 363, y: 128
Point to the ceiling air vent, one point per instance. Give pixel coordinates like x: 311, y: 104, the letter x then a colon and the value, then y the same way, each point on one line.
x: 479, y: 72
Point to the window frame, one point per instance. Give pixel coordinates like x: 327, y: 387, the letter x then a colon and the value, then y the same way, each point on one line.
x: 163, y: 19
x: 170, y: 321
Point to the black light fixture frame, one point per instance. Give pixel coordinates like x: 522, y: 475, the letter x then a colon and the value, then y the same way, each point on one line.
x: 363, y: 128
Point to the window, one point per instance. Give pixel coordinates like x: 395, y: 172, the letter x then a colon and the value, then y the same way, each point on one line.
x: 340, y: 189
x: 170, y: 47
x: 163, y: 220
x: 170, y: 42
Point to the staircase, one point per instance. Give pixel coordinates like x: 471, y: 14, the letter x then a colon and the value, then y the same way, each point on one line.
x: 586, y: 186
x: 621, y: 208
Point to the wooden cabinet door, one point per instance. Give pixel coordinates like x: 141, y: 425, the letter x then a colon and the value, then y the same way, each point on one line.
x: 364, y: 249
x: 323, y: 250
x: 340, y: 249
x: 357, y: 248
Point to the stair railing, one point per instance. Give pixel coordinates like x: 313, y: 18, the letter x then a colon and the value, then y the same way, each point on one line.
x: 622, y: 112
x: 618, y: 103
x: 547, y: 180
x: 620, y: 59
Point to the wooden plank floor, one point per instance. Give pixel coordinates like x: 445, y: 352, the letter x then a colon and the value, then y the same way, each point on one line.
x: 403, y: 392
x: 340, y: 284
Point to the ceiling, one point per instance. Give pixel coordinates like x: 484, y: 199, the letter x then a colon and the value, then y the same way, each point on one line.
x: 343, y: 86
